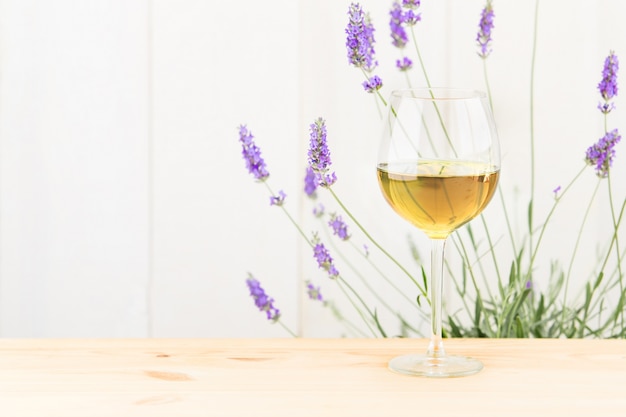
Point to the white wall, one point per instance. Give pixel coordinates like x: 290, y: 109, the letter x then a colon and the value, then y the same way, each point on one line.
x: 73, y: 168
x: 125, y: 208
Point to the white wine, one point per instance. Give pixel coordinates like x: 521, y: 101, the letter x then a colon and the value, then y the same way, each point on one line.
x: 438, y: 196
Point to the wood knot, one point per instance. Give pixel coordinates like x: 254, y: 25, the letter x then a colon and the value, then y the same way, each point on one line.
x: 168, y: 376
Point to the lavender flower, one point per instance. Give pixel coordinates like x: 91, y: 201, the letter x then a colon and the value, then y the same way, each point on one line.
x: 252, y: 155
x: 556, y: 192
x: 313, y: 292
x: 608, y: 85
x: 324, y: 260
x: 484, y: 30
x: 373, y: 84
x: 319, y: 155
x: 340, y: 228
x: 278, y: 200
x: 405, y: 64
x: 360, y: 39
x: 601, y: 154
x: 399, y: 37
x: 410, y: 4
x: 310, y: 182
x: 410, y: 18
x: 262, y: 301
x: 360, y: 44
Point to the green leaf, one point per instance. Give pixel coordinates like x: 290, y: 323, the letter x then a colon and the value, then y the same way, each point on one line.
x: 513, y: 276
x: 519, y: 327
x: 537, y: 325
x: 554, y: 288
x: 477, y: 313
x: 471, y: 234
x: 455, y: 331
x: 380, y: 328
x: 513, y: 311
x: 464, y: 277
x: 588, y: 294
x: 425, y: 279
x: 405, y: 327
x: 540, y: 309
x: 413, y: 248
x: 598, y: 280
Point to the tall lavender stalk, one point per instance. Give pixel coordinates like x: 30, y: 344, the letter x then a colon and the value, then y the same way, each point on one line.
x: 483, y: 40
x: 601, y: 156
x: 399, y: 38
x: 410, y: 17
x: 320, y: 162
x: 319, y: 175
x: 360, y: 42
x: 531, y: 226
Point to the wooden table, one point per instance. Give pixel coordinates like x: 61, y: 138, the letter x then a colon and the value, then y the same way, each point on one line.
x: 305, y: 377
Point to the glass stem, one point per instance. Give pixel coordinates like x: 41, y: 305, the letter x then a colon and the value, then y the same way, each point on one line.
x: 435, y: 348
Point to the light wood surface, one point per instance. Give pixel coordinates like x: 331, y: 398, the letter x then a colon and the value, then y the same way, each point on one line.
x: 305, y: 377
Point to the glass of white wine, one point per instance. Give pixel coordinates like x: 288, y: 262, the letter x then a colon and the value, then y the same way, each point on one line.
x: 438, y: 167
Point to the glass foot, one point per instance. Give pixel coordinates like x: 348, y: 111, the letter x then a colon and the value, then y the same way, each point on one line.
x: 435, y: 367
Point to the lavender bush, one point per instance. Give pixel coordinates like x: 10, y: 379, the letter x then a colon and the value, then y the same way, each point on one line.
x: 499, y: 291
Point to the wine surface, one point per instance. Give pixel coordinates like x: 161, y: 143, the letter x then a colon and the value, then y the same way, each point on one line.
x: 437, y: 196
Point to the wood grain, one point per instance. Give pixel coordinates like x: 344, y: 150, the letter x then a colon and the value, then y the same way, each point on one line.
x: 305, y: 377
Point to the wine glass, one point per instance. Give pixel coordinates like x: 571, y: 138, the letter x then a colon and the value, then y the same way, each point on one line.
x: 438, y: 167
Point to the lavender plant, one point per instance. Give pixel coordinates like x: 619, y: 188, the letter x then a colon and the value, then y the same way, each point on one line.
x: 500, y: 296
x: 519, y: 308
x: 318, y: 175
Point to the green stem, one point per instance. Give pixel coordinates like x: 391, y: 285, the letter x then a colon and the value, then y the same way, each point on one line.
x: 610, y: 249
x: 534, y: 252
x: 291, y: 219
x: 508, y: 221
x: 487, y: 83
x: 491, y: 248
x: 286, y: 328
x: 408, y: 79
x: 532, y: 128
x: 375, y: 293
x: 419, y: 56
x: 571, y: 263
x: 342, y: 282
x: 388, y: 281
x: 347, y: 323
x: 616, y: 222
x: 482, y: 217
x: 375, y: 243
x: 464, y: 254
x: 312, y: 245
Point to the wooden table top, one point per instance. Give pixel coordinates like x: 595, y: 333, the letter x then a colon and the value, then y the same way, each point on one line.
x: 305, y: 377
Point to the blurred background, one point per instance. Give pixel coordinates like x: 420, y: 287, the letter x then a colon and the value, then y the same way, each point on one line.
x: 125, y: 206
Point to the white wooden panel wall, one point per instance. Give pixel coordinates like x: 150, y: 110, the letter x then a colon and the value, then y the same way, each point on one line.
x: 73, y: 168
x: 125, y: 208
x: 218, y: 65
